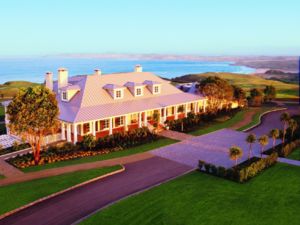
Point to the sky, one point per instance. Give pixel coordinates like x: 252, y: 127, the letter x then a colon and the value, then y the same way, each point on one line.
x: 211, y: 27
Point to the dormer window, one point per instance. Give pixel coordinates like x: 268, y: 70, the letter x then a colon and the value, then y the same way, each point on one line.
x: 64, y: 96
x: 138, y: 91
x: 118, y: 94
x: 156, y: 89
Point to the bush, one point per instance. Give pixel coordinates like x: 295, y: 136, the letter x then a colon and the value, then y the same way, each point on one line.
x: 283, y: 150
x: 244, y: 171
x: 200, y: 164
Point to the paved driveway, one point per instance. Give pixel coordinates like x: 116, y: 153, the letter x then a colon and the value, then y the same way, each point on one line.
x: 212, y: 148
x: 76, y: 204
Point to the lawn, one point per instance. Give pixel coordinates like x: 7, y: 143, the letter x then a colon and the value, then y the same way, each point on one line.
x: 215, y: 125
x: 255, y: 118
x: 10, y: 89
x: 1, y: 176
x: 273, y: 197
x: 1, y: 113
x: 295, y: 154
x: 16, y: 195
x: 134, y: 150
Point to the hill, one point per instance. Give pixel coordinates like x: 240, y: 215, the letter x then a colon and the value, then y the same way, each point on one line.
x: 284, y: 90
x: 10, y: 89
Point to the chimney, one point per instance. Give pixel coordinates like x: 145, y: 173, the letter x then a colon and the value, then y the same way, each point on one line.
x: 62, y: 77
x: 138, y: 69
x: 49, y: 80
x: 97, y: 72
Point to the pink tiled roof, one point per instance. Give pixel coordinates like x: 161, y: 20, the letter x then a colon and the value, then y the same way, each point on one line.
x: 94, y: 102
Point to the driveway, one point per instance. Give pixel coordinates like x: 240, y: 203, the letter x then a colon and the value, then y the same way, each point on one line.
x: 212, y: 148
x: 76, y: 204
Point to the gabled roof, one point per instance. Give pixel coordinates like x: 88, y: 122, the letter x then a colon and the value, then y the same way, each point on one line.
x: 133, y: 84
x: 151, y: 82
x: 112, y: 86
x: 94, y: 98
x: 71, y: 87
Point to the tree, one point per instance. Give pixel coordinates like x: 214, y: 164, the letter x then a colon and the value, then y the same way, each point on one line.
x: 251, y: 139
x: 239, y: 95
x: 235, y: 153
x: 33, y: 114
x: 274, y: 134
x: 180, y: 109
x: 89, y: 142
x: 284, y: 118
x: 293, y: 126
x: 256, y: 97
x: 263, y: 141
x: 218, y: 91
x: 270, y: 93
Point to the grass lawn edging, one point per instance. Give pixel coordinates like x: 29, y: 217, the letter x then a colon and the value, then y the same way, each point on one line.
x: 260, y: 117
x: 122, y: 169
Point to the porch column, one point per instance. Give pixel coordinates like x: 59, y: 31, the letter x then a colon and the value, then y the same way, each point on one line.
x: 6, y: 120
x: 94, y: 128
x: 145, y: 118
x: 140, y: 119
x: 164, y: 118
x: 75, y: 133
x: 204, y: 106
x: 175, y: 113
x: 185, y: 111
x: 110, y: 126
x: 69, y: 139
x: 63, y: 131
x: 126, y: 123
x: 196, y: 107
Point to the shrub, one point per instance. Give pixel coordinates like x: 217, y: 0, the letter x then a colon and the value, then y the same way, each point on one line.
x: 88, y: 142
x: 200, y: 164
x: 207, y: 167
x: 221, y: 171
x: 214, y: 170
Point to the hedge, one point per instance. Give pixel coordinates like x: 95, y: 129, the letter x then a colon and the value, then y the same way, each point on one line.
x: 283, y: 150
x: 242, y: 172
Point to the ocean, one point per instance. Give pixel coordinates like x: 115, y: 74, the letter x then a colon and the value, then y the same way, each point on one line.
x: 33, y: 69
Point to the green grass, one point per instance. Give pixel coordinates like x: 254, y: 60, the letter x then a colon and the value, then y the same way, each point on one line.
x: 134, y: 150
x: 10, y: 89
x: 16, y: 195
x: 255, y: 118
x: 285, y: 90
x: 271, y: 198
x: 1, y: 176
x: 215, y: 125
x: 295, y: 154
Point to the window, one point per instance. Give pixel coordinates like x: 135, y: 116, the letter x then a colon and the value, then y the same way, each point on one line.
x: 156, y: 89
x: 86, y: 128
x: 134, y: 118
x: 119, y: 121
x: 104, y: 124
x: 138, y: 92
x: 119, y: 94
x: 64, y: 96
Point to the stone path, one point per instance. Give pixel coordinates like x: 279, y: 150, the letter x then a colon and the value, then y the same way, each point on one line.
x: 289, y: 161
x: 175, y: 135
x: 8, y: 170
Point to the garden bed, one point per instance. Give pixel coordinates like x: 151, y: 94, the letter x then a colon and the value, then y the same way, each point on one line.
x: 243, y: 171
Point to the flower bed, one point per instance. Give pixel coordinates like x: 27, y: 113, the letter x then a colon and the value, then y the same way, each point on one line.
x: 105, y: 145
x: 242, y: 172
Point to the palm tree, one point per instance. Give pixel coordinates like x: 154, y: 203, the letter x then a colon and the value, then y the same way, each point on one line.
x: 274, y: 134
x: 263, y: 141
x: 293, y: 126
x: 251, y: 139
x: 285, y: 117
x: 235, y: 153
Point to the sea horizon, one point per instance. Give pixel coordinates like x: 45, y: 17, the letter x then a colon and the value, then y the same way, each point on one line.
x: 34, y: 69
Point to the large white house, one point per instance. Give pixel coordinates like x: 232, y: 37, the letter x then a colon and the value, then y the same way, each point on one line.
x: 101, y: 105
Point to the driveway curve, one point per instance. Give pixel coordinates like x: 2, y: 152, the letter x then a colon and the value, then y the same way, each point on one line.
x: 76, y: 204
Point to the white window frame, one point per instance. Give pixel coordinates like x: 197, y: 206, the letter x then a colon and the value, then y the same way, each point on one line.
x: 106, y: 124
x: 138, y: 89
x: 154, y: 89
x: 118, y: 91
x: 64, y: 96
x: 122, y: 121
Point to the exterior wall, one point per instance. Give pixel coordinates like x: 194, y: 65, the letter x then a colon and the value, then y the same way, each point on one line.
x: 133, y: 126
x: 180, y: 115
